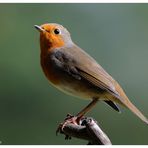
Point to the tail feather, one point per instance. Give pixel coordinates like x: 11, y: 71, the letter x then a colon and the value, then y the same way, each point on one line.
x: 123, y: 99
x: 133, y: 108
x: 113, y: 105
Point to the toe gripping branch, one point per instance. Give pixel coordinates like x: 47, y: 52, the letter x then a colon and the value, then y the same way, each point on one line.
x: 85, y: 128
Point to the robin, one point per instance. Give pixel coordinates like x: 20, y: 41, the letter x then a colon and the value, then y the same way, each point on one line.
x: 73, y: 71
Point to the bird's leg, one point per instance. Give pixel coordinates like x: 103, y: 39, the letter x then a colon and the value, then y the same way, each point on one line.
x: 86, y: 109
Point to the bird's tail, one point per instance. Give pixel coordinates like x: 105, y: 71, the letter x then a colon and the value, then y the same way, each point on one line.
x: 128, y: 104
x: 123, y: 100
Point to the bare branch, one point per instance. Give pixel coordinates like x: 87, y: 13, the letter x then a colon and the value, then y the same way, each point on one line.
x: 88, y: 130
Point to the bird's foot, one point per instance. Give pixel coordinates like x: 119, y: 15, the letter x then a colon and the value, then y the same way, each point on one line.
x: 69, y: 119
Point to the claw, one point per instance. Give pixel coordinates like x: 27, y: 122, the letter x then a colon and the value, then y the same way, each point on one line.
x: 69, y: 119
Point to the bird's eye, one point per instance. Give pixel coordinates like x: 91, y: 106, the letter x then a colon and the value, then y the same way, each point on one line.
x: 57, y: 31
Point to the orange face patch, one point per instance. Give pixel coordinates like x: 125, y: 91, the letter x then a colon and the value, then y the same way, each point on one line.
x: 49, y: 38
x: 48, y: 70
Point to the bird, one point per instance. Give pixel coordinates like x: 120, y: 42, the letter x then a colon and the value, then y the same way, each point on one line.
x: 73, y: 71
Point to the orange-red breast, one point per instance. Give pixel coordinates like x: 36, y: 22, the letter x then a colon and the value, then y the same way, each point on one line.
x: 73, y: 71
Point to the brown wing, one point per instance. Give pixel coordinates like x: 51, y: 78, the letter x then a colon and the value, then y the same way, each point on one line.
x: 93, y: 72
x: 79, y: 64
x: 98, y: 79
x: 90, y: 70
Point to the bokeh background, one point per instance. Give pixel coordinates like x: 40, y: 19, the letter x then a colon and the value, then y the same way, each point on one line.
x: 116, y: 35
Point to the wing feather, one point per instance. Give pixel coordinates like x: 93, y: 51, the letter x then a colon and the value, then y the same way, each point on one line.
x: 87, y: 68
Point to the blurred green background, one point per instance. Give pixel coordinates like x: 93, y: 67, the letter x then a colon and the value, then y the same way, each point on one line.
x: 116, y: 35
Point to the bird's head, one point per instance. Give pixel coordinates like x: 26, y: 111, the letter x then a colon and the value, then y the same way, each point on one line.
x: 53, y: 36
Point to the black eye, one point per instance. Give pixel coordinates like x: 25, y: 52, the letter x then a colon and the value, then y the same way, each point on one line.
x: 57, y: 31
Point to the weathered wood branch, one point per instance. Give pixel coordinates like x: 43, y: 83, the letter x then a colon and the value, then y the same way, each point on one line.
x: 88, y: 130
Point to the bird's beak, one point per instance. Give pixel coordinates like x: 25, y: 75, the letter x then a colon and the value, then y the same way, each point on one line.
x: 40, y: 29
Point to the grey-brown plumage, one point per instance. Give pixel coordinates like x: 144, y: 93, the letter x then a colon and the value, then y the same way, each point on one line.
x: 72, y: 70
